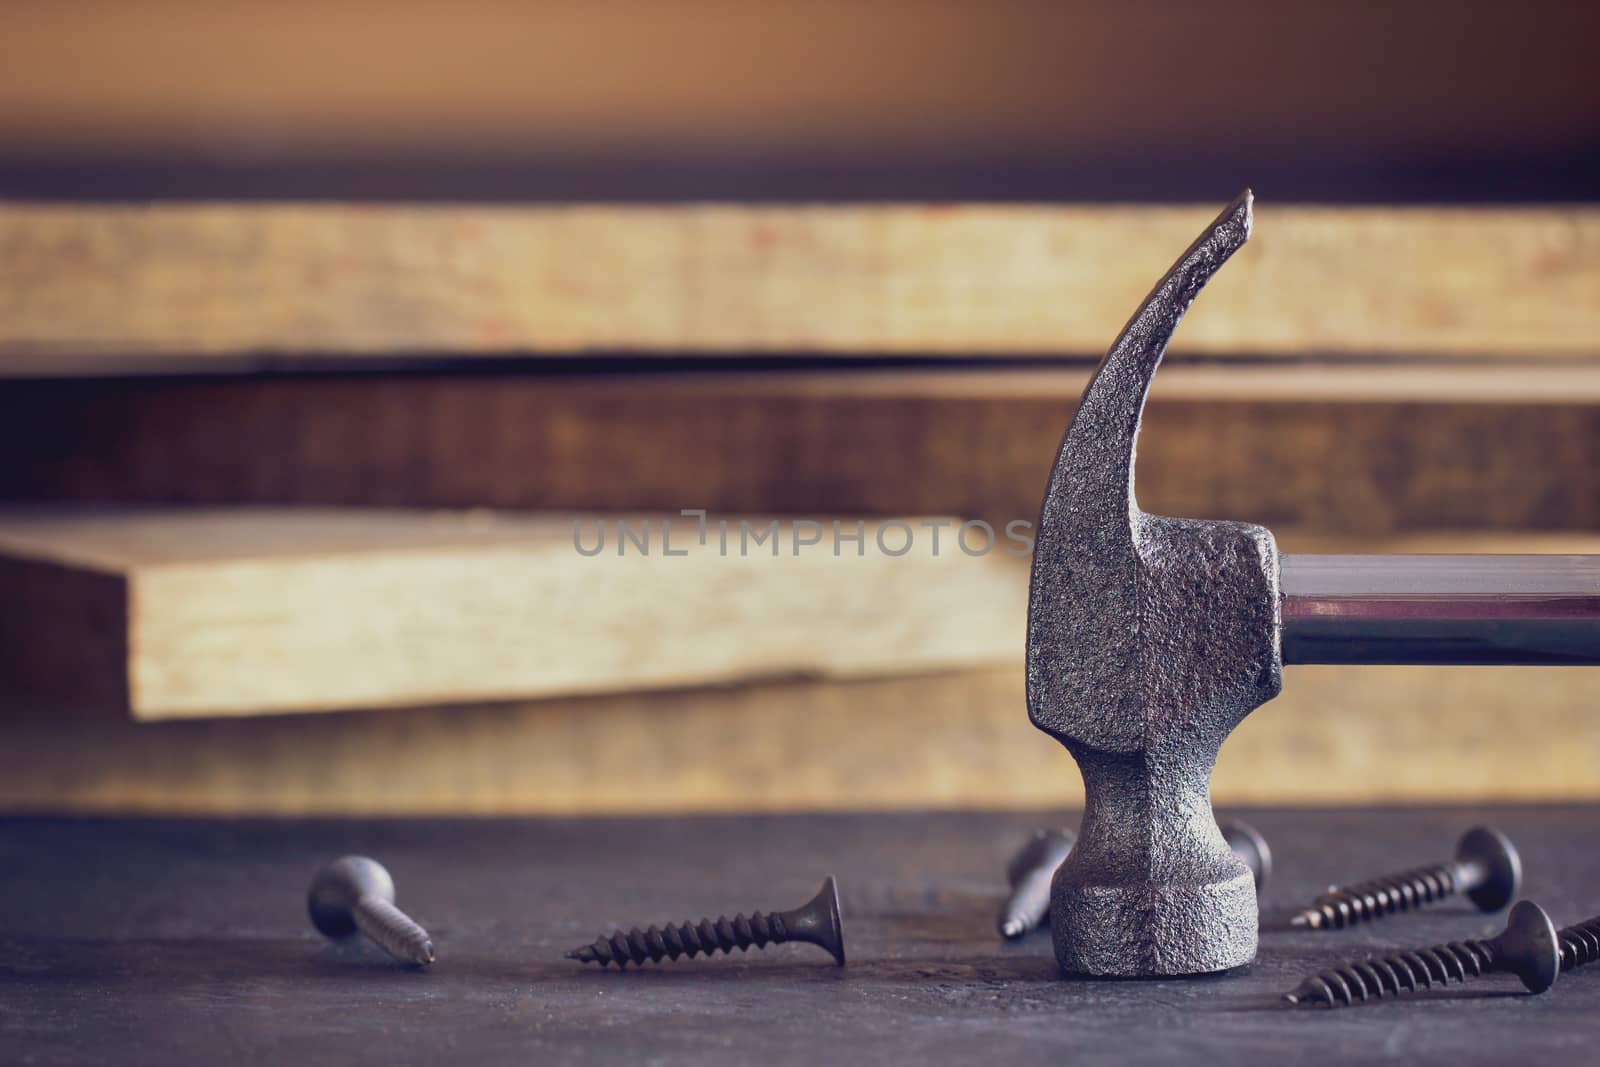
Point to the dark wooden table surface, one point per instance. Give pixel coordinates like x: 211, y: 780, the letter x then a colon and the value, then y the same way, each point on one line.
x: 186, y: 942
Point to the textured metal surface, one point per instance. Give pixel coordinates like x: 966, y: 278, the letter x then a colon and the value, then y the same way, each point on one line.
x: 1149, y: 640
x: 1441, y: 609
x: 1487, y: 868
x: 1527, y: 948
x: 1033, y: 868
x: 816, y: 922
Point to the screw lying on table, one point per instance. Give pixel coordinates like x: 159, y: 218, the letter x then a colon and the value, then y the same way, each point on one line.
x: 1527, y: 948
x: 815, y: 922
x: 1034, y: 865
x: 1251, y: 848
x: 356, y: 893
x: 1029, y: 874
x: 1486, y: 868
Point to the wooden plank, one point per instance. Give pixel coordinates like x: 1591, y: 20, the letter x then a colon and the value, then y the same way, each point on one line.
x: 251, y: 612
x: 1341, y: 450
x: 1337, y: 735
x: 197, y: 614
x: 97, y: 288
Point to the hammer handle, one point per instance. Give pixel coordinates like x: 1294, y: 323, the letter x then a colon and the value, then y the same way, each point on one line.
x: 1420, y: 609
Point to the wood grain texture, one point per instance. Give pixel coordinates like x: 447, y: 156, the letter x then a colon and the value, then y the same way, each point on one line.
x: 176, y: 614
x: 131, y: 289
x: 1342, y: 450
x: 1337, y: 735
x: 252, y: 612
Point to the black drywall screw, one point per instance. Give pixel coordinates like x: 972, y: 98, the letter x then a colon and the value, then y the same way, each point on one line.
x: 815, y: 922
x: 355, y: 893
x: 1580, y: 943
x: 1527, y: 948
x: 1486, y: 868
x: 1034, y: 865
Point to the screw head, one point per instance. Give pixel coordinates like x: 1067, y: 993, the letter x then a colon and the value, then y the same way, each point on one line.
x: 1045, y: 849
x: 1493, y: 853
x: 338, y: 885
x: 1530, y: 947
x: 817, y: 921
x: 1248, y: 844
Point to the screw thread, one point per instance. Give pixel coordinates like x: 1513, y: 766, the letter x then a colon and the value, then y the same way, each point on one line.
x: 1580, y: 944
x: 685, y: 939
x: 1400, y: 972
x: 1347, y: 905
x: 393, y: 930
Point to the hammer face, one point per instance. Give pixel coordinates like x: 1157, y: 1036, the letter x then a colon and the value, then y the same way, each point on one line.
x: 1153, y: 930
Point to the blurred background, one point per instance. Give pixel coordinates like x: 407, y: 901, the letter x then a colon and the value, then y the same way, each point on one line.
x: 324, y: 326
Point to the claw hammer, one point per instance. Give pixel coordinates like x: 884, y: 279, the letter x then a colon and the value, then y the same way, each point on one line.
x: 1150, y: 638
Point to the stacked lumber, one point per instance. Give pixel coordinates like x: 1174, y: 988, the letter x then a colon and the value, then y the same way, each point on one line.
x: 313, y: 459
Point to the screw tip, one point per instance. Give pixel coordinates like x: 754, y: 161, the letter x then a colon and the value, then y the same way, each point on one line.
x: 1011, y: 928
x: 424, y: 955
x: 1292, y: 998
x: 1300, y: 919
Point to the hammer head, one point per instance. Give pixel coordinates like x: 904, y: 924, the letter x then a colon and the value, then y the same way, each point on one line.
x: 1149, y: 639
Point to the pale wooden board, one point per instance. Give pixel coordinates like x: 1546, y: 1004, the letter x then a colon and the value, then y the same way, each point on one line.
x: 251, y: 611
x: 1337, y: 735
x: 93, y: 288
x: 1340, y: 449
x: 193, y: 614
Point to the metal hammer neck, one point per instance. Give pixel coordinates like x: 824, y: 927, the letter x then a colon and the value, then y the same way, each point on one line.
x: 1441, y: 609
